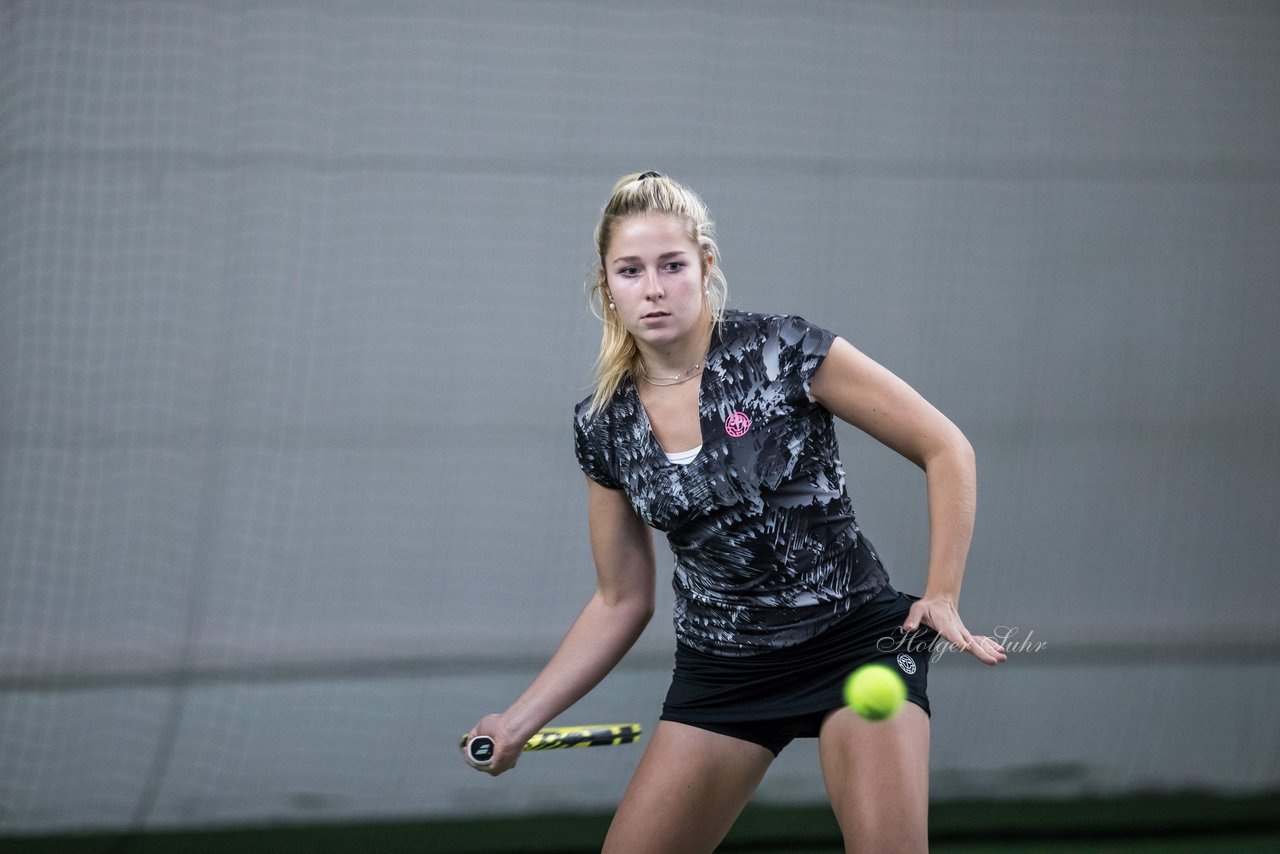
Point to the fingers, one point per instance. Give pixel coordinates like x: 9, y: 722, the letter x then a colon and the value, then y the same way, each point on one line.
x: 984, y: 649
x: 987, y: 651
x: 489, y: 767
x: 913, y: 618
x: 494, y: 766
x: 500, y: 757
x: 947, y: 623
x: 942, y: 619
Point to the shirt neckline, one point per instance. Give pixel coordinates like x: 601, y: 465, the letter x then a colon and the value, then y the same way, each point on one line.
x: 655, y: 447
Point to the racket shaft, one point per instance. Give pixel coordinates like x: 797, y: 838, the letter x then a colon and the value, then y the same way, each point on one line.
x: 587, y: 736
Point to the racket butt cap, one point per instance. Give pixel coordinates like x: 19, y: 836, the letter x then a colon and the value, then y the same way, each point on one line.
x: 480, y: 750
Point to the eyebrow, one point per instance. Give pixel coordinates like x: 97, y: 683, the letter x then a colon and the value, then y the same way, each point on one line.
x: 664, y: 256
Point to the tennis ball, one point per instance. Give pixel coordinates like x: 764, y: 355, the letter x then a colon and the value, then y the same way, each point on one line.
x: 875, y: 691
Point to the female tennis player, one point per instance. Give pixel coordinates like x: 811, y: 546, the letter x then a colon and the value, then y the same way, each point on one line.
x: 716, y: 426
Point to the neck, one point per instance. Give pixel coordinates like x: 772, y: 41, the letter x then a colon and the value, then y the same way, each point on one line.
x: 676, y: 357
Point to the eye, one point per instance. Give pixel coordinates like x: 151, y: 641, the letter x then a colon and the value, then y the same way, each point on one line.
x: 628, y: 272
x: 675, y: 266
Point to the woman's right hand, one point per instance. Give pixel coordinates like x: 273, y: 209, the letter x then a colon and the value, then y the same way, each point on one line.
x: 506, y: 748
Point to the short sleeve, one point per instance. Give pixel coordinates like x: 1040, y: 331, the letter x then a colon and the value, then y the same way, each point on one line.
x: 802, y: 346
x: 592, y: 446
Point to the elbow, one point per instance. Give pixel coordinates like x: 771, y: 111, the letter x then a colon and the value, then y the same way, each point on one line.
x: 635, y: 608
x: 955, y: 452
x: 641, y: 610
x: 632, y: 615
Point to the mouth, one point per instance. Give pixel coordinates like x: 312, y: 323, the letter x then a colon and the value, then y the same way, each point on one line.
x: 653, y: 315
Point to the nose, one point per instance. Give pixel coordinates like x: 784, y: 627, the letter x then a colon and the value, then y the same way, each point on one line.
x: 652, y: 285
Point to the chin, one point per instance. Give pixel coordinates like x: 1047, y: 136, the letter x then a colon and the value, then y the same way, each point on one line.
x: 664, y: 335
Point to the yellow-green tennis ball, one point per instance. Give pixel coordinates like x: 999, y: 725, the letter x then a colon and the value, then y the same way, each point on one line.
x: 875, y: 691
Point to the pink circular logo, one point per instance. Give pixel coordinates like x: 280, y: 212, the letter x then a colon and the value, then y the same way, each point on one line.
x: 737, y: 424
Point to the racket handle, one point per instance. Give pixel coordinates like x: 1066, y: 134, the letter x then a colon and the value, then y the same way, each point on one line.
x: 480, y: 750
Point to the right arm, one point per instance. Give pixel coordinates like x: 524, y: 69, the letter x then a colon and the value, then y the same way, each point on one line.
x: 622, y: 548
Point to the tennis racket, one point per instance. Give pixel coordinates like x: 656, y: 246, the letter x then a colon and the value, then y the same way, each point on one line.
x: 480, y: 747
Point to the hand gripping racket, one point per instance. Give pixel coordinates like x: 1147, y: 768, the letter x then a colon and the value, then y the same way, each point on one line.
x: 480, y: 747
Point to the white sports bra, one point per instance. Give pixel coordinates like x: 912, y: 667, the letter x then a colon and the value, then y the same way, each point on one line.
x: 683, y: 458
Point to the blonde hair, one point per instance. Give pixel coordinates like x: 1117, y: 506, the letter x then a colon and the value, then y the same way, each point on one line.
x: 640, y: 194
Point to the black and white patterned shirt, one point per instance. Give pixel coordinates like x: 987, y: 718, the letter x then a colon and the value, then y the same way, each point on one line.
x: 767, y: 550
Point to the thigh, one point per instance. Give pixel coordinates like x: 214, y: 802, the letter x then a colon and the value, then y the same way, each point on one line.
x: 877, y: 776
x: 689, y: 788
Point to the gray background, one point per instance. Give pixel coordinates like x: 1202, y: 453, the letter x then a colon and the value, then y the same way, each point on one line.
x: 292, y: 320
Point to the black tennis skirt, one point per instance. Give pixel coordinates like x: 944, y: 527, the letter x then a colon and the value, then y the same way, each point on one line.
x: 804, y: 679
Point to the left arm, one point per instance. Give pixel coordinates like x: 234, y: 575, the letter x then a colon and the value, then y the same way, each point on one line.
x: 865, y: 394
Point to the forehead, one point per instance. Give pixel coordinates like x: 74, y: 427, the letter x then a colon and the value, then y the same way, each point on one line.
x: 650, y: 233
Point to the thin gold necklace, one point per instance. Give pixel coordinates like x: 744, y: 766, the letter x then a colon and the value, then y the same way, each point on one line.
x: 682, y: 377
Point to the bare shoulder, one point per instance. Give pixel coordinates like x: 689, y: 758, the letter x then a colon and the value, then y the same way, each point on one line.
x: 848, y: 378
x: 862, y: 392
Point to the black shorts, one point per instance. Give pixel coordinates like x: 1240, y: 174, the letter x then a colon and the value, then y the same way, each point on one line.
x: 773, y: 697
